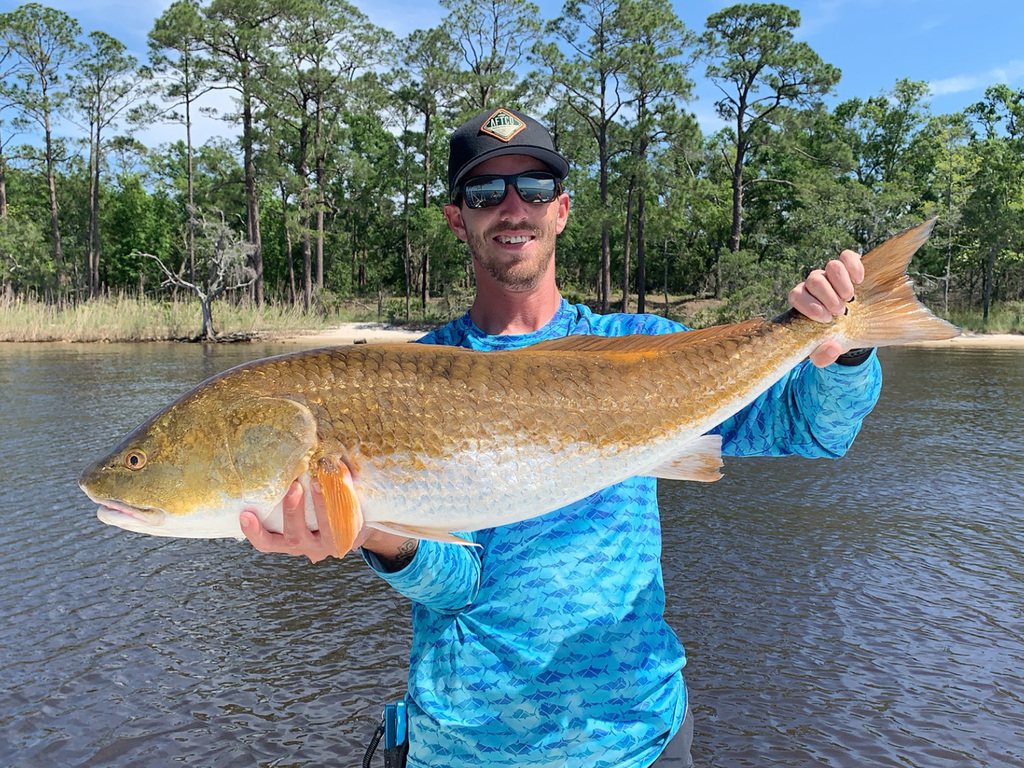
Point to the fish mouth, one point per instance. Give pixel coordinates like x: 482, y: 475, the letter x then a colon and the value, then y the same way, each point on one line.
x: 121, y: 515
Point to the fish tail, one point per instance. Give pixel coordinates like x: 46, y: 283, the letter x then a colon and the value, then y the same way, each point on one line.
x: 885, y: 310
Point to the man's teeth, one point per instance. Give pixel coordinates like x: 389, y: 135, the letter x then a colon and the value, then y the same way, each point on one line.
x: 510, y: 240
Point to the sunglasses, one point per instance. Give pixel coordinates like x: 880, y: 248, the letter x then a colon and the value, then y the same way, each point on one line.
x: 538, y: 187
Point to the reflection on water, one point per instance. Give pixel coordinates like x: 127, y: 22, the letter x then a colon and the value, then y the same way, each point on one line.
x: 860, y: 612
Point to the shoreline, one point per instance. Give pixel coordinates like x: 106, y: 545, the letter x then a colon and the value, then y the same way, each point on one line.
x: 345, y: 333
x: 369, y: 332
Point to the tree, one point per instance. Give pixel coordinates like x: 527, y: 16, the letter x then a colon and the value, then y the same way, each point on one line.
x: 236, y: 37
x: 654, y: 71
x: 494, y: 38
x: 753, y: 53
x: 45, y: 45
x: 106, y: 84
x: 176, y: 58
x: 588, y: 82
x: 324, y: 49
x: 426, y: 84
x: 995, y: 208
x: 956, y: 165
x: 226, y: 257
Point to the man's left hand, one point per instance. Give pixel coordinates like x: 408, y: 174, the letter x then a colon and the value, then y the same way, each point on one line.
x: 823, y: 296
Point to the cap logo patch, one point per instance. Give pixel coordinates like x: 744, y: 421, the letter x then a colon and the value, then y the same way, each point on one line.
x: 503, y: 125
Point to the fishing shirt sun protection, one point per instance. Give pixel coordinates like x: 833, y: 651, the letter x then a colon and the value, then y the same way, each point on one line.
x: 547, y: 646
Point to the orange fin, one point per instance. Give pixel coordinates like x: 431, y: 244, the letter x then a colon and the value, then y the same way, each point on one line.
x: 415, y: 532
x: 701, y: 461
x: 343, y: 513
x: 886, y: 311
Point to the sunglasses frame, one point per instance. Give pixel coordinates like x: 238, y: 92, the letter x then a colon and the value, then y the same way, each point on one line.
x: 510, y: 180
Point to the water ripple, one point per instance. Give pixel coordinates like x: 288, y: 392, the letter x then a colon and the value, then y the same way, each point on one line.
x: 861, y: 612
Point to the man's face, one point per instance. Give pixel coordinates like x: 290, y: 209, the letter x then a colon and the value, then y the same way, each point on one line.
x: 513, y: 242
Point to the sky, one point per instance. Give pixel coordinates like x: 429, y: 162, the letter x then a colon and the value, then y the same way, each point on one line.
x: 959, y: 48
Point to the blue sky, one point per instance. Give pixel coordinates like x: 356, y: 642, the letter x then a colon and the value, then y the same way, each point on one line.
x: 959, y: 48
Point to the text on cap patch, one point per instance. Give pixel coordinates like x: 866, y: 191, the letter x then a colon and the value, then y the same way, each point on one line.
x: 502, y: 125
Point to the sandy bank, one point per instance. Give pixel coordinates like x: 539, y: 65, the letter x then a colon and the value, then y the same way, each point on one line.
x: 1008, y: 340
x: 349, y: 333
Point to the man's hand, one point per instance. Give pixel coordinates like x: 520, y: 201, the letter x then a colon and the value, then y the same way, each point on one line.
x: 297, y: 539
x: 823, y: 296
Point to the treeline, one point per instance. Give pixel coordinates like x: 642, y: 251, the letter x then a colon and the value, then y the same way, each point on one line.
x: 334, y: 178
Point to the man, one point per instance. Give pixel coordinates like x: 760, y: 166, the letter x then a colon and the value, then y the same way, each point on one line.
x: 546, y: 645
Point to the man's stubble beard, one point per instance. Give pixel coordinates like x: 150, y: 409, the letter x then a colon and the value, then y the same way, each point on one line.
x: 514, y: 274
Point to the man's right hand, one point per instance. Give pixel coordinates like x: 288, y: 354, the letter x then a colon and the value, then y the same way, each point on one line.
x: 296, y: 539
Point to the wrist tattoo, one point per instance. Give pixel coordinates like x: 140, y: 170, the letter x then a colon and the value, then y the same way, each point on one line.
x: 406, y: 552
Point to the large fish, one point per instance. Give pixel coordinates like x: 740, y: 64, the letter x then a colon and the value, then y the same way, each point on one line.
x: 424, y: 440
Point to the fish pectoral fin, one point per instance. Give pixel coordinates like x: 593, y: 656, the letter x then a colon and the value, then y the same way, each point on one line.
x: 342, y: 504
x: 416, y: 532
x: 701, y: 461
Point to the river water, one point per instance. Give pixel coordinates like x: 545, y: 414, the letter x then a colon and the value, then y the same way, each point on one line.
x: 868, y: 611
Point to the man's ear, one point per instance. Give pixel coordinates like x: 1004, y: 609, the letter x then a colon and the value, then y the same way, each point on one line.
x: 453, y: 214
x: 563, y: 213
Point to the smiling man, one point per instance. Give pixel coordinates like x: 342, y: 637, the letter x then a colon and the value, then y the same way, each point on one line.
x: 546, y: 645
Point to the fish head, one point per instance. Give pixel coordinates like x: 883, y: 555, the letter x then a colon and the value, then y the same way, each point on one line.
x: 191, y: 469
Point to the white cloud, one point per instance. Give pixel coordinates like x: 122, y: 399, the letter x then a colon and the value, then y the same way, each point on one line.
x: 1009, y: 74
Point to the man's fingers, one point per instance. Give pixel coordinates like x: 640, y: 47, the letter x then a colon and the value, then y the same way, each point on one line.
x: 254, y: 531
x: 852, y: 261
x: 826, y: 354
x: 294, y: 514
x: 322, y: 523
x: 823, y: 295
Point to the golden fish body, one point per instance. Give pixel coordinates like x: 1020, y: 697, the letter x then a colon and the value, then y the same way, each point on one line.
x: 441, y: 439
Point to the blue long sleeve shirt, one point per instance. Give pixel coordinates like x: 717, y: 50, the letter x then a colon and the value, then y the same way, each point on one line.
x: 547, y: 646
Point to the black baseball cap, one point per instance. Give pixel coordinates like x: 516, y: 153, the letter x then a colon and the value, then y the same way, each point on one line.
x: 498, y: 132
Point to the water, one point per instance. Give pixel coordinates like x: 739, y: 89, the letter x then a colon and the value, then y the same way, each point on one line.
x: 860, y: 612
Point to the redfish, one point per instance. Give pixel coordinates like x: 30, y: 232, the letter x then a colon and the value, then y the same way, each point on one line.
x: 424, y: 440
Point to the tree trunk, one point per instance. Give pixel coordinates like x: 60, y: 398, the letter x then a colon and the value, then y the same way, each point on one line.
x: 426, y: 162
x: 307, y: 265
x: 641, y: 255
x: 737, y: 203
x: 627, y: 237
x: 58, y: 253
x: 208, y: 333
x: 94, y: 219
x: 606, y: 245
x: 190, y: 231
x: 664, y: 260
x: 289, y: 259
x: 3, y: 182
x: 252, y: 223
x: 986, y: 291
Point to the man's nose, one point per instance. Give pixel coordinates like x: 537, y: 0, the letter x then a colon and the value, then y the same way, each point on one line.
x: 513, y: 201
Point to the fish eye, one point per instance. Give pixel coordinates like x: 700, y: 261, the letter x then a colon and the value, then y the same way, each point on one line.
x: 135, y: 459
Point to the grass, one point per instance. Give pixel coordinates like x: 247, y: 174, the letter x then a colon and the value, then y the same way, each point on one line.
x: 124, y: 317
x: 1007, y: 317
x: 130, y: 318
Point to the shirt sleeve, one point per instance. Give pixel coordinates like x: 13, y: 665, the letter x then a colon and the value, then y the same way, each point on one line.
x: 441, y: 576
x: 811, y: 412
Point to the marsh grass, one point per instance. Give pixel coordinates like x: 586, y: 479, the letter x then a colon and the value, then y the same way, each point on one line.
x: 1007, y: 317
x: 131, y: 318
x: 126, y: 317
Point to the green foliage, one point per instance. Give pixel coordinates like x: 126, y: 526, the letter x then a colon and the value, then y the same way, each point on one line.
x: 337, y: 154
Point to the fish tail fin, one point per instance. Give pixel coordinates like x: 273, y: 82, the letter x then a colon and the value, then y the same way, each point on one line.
x: 885, y: 310
x: 343, y: 513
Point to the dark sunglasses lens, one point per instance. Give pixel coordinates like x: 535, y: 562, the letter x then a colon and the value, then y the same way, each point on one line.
x: 483, y: 193
x: 537, y: 189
